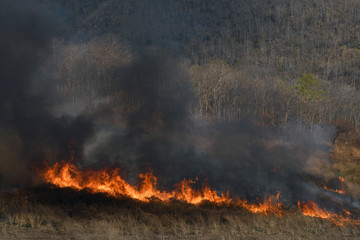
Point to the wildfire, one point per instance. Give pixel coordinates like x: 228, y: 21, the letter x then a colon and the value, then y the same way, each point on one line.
x: 68, y: 175
x: 109, y: 181
x: 312, y: 209
x: 340, y: 191
x: 272, y: 205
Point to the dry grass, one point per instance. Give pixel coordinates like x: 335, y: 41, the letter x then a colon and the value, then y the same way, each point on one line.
x: 65, y: 214
x: 47, y: 213
x: 343, y: 161
x: 346, y: 157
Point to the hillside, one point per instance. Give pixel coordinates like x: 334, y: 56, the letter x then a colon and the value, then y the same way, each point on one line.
x: 262, y: 47
x: 139, y: 119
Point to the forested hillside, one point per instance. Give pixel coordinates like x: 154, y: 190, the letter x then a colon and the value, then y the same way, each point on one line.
x: 281, y: 60
x: 180, y: 119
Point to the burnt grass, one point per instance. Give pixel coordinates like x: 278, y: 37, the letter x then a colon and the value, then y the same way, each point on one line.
x: 85, y: 204
x: 47, y: 212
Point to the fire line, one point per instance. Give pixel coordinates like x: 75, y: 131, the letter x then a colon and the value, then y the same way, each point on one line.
x: 67, y: 175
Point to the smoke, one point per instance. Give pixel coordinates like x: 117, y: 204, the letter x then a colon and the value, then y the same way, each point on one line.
x: 29, y: 134
x: 157, y: 126
x: 160, y: 133
x: 255, y: 161
x: 157, y: 129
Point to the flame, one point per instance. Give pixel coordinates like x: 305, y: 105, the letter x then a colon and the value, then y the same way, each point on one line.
x: 68, y: 175
x: 339, y: 191
x: 313, y: 210
x: 271, y: 205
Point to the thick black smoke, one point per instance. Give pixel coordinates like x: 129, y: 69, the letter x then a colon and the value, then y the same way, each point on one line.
x: 161, y: 133
x: 158, y: 129
x: 29, y: 134
x: 158, y: 125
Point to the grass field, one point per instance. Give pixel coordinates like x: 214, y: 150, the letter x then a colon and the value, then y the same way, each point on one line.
x: 46, y: 213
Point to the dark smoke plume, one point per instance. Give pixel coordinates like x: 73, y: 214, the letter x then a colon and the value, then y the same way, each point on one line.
x: 29, y: 134
x: 161, y: 133
x: 157, y: 131
x: 157, y: 126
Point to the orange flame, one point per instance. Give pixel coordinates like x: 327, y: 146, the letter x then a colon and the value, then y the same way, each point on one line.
x: 272, y: 205
x: 108, y: 181
x: 340, y: 191
x: 312, y: 209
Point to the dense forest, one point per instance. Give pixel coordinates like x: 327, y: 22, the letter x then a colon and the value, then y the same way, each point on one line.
x: 282, y: 61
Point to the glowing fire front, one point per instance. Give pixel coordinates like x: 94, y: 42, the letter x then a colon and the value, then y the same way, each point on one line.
x: 313, y: 210
x: 108, y: 181
x: 339, y: 191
